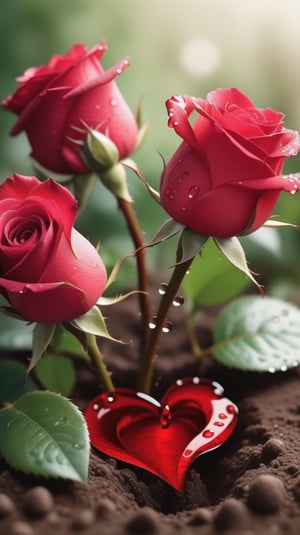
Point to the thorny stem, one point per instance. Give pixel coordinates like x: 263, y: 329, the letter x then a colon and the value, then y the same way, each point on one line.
x: 143, y: 281
x: 96, y: 357
x: 149, y: 355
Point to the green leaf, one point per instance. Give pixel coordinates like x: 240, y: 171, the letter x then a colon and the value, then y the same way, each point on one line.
x: 13, y: 380
x: 258, y: 334
x: 167, y: 230
x: 42, y: 336
x: 45, y: 434
x: 130, y: 164
x: 56, y: 373
x: 63, y: 341
x: 93, y: 322
x: 190, y: 244
x: 212, y: 278
x: 234, y: 252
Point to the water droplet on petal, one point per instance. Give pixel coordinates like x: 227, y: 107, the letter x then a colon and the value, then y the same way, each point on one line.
x: 207, y: 433
x: 193, y: 192
x: 113, y: 102
x: 95, y: 406
x: 110, y: 399
x: 165, y: 417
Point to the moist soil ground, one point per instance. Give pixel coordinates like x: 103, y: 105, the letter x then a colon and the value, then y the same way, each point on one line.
x: 250, y: 485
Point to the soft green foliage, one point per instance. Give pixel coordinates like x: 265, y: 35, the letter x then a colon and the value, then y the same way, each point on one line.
x: 13, y: 380
x: 45, y: 435
x: 15, y: 334
x: 56, y: 373
x: 258, y: 334
x: 42, y: 336
x: 212, y: 279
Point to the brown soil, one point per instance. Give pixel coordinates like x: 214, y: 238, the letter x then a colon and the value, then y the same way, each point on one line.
x: 250, y: 485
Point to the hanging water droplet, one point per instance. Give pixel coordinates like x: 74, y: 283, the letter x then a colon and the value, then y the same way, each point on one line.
x: 167, y: 327
x: 153, y: 323
x: 193, y: 192
x: 272, y: 369
x: 165, y: 417
x: 179, y: 382
x: 196, y: 380
x: 162, y: 288
x: 178, y: 301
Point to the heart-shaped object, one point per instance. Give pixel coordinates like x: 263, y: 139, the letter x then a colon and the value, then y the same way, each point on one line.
x: 164, y: 438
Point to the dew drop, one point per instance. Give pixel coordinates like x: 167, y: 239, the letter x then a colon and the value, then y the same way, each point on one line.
x: 196, y: 380
x: 95, y: 406
x: 113, y: 102
x: 193, y: 192
x: 153, y: 323
x: 162, y: 288
x: 178, y: 301
x: 165, y: 417
x: 222, y: 416
x: 219, y: 424
x: 119, y: 70
x: 167, y: 327
x: 272, y: 369
x: 283, y: 367
x: 78, y: 446
x: 61, y: 421
x: 110, y: 399
x: 231, y: 409
x: 179, y: 382
x: 207, y: 433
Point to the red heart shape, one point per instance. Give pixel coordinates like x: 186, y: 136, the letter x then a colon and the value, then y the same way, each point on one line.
x: 163, y: 438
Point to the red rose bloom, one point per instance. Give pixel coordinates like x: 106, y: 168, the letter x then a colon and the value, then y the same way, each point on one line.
x: 226, y: 176
x: 60, y: 101
x: 49, y: 272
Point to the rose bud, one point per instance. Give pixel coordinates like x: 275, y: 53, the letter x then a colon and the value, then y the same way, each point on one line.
x: 50, y: 273
x: 59, y: 103
x: 225, y: 177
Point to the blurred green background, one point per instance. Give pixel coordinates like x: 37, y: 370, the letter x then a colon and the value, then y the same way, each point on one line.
x: 186, y: 47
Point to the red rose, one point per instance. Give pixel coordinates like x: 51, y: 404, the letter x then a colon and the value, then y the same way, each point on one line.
x: 59, y: 101
x: 225, y: 177
x: 49, y: 272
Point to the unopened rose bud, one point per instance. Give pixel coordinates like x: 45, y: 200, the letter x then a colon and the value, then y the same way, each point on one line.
x: 99, y: 152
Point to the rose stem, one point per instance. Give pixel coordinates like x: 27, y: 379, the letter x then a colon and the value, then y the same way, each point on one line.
x: 143, y: 282
x: 148, y: 357
x: 96, y: 357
